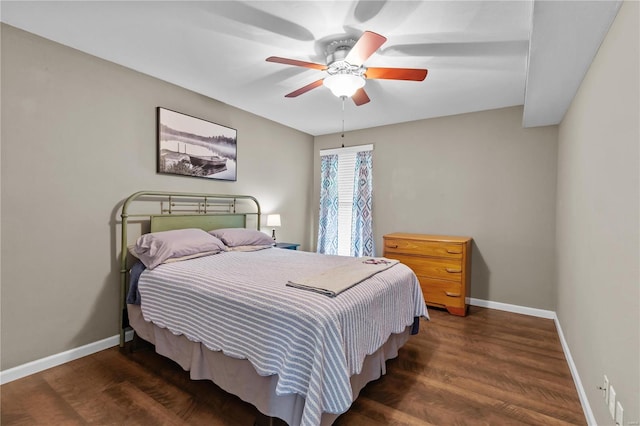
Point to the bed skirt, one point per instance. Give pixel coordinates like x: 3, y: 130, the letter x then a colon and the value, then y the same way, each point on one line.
x: 238, y: 377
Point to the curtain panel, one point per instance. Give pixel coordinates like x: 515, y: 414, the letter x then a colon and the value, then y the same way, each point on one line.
x: 328, y: 217
x: 362, y: 239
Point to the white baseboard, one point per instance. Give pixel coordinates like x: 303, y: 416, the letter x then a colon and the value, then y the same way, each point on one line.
x: 586, y: 407
x: 542, y: 313
x: 38, y: 365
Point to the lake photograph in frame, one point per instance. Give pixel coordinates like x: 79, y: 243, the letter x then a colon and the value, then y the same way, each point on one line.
x: 191, y: 146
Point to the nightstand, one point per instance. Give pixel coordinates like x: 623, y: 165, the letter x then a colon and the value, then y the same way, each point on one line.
x: 288, y: 246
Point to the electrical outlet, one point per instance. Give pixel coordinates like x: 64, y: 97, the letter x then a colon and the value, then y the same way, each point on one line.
x: 606, y: 389
x: 619, y: 414
x: 612, y: 402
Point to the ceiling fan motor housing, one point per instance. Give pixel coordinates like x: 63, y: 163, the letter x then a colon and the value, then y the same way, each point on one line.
x: 337, y: 51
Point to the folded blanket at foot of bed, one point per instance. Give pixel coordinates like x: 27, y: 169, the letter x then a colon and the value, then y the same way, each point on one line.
x: 336, y: 280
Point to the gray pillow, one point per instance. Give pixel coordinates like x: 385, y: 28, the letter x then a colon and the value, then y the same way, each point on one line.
x: 234, y: 237
x: 160, y: 247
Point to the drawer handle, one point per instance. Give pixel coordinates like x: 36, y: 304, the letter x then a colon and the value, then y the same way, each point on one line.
x: 453, y: 251
x: 453, y: 271
x: 394, y: 246
x: 448, y: 293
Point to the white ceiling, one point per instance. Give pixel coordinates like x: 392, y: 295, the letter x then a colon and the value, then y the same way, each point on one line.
x: 480, y: 54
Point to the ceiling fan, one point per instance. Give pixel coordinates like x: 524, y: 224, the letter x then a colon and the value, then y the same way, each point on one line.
x: 347, y: 74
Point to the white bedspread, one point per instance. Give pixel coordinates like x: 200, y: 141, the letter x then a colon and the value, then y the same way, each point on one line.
x: 238, y: 303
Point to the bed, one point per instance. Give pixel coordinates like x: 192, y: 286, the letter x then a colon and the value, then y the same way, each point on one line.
x: 243, y: 318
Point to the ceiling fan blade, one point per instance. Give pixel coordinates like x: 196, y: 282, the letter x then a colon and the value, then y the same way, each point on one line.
x: 396, y: 73
x: 366, y: 10
x: 246, y: 14
x: 304, y: 89
x: 462, y: 48
x: 360, y: 97
x: 297, y: 63
x: 364, y: 47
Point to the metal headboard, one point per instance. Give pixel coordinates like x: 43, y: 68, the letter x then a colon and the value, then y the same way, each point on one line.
x: 179, y: 210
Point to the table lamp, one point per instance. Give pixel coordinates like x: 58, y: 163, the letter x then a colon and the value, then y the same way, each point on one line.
x: 273, y: 220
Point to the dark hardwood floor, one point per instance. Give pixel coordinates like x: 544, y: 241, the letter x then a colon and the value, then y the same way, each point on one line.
x: 489, y: 368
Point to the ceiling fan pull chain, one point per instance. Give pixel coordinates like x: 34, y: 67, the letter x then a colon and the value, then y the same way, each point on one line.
x: 343, y: 98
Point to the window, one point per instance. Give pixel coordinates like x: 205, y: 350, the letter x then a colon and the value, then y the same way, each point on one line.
x: 345, y: 222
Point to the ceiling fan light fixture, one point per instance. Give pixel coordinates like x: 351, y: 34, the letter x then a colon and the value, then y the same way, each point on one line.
x: 344, y: 84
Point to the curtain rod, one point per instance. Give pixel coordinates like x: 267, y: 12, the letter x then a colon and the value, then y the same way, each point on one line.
x: 348, y: 149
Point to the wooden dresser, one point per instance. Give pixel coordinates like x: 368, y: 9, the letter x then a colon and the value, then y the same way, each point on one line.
x: 442, y: 263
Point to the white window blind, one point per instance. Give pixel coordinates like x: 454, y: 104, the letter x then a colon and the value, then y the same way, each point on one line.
x: 346, y: 177
x: 346, y: 165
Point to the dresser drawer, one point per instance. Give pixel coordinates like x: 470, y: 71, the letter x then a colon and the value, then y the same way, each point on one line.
x: 440, y: 292
x: 441, y: 268
x: 423, y: 248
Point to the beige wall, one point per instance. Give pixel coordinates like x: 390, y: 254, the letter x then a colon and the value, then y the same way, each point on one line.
x: 78, y: 136
x: 598, y: 221
x: 480, y: 175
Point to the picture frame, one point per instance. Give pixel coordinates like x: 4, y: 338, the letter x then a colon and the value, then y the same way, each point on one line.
x: 191, y: 146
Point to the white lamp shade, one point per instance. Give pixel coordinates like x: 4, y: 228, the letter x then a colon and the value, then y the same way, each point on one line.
x: 343, y: 84
x: 273, y: 220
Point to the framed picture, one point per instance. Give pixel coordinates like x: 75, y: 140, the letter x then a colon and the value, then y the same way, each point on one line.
x: 190, y: 146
